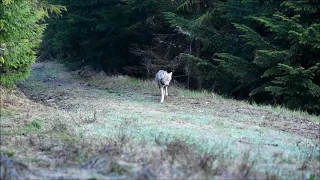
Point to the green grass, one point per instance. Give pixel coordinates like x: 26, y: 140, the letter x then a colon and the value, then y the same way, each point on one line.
x: 103, y: 108
x: 7, y: 112
x: 32, y: 127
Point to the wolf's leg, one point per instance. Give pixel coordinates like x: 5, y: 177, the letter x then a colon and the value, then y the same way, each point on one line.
x: 166, y: 91
x: 162, y: 94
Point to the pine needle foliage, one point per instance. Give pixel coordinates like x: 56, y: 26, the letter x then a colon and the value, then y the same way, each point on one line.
x: 99, y: 33
x: 202, y: 21
x: 265, y: 50
x: 21, y: 29
x: 295, y: 83
x: 285, y: 49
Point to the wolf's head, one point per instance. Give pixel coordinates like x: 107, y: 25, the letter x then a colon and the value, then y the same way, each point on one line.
x: 167, y: 79
x: 170, y: 75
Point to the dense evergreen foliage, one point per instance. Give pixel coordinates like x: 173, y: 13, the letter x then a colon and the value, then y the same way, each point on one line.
x: 263, y: 50
x: 280, y: 53
x: 99, y: 33
x: 21, y: 29
x: 270, y: 48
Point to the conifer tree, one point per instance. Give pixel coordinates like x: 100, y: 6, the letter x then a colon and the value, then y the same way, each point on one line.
x: 21, y: 28
x: 99, y: 33
x: 264, y: 50
x: 284, y: 53
x: 200, y: 21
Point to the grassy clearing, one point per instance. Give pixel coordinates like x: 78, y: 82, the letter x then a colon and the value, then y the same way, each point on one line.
x: 114, y: 126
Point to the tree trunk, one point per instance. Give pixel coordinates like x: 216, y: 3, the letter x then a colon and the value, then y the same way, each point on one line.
x: 198, y: 54
x: 197, y: 71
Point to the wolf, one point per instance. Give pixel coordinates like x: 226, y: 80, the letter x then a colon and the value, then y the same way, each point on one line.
x: 163, y: 79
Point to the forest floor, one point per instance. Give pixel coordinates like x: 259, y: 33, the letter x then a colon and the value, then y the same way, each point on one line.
x: 85, y: 124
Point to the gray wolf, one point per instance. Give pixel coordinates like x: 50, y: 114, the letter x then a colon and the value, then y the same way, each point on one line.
x: 163, y: 79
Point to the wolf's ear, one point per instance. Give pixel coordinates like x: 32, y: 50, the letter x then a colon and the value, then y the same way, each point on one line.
x: 170, y: 74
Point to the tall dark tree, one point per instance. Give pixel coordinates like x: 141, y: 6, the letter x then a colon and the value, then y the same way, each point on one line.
x: 282, y: 46
x: 208, y: 32
x: 99, y: 33
x: 270, y: 49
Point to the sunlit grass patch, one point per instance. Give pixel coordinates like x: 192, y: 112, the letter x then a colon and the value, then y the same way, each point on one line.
x: 7, y: 112
x: 51, y: 69
x: 194, y: 94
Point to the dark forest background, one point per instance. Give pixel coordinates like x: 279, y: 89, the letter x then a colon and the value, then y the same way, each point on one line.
x: 265, y: 51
